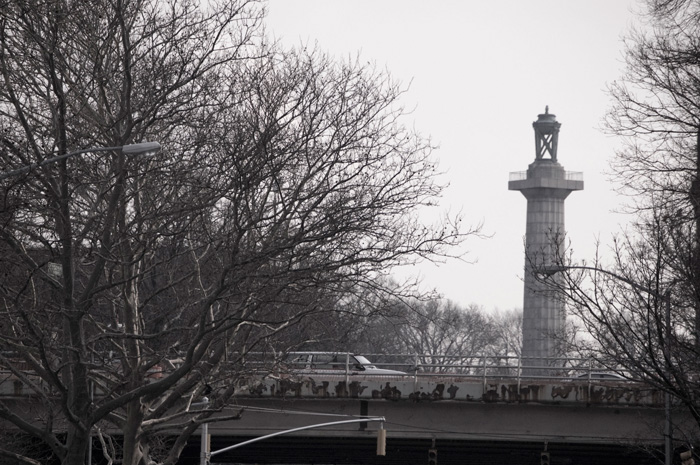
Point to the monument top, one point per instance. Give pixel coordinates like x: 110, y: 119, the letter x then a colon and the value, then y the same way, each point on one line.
x: 546, y: 135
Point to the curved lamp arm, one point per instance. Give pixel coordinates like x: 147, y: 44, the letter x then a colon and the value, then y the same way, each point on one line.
x: 294, y: 430
x: 142, y: 148
x: 550, y: 270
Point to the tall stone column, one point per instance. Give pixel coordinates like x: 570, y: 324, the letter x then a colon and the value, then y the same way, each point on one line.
x: 545, y: 185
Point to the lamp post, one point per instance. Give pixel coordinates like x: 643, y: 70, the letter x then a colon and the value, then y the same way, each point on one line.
x: 204, y: 452
x: 666, y: 297
x: 137, y: 149
x: 142, y: 148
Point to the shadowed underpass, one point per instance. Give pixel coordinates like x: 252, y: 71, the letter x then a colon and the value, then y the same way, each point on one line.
x: 401, y: 451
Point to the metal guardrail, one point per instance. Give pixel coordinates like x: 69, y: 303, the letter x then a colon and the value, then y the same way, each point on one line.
x: 435, y: 365
x: 420, y: 366
x: 503, y: 367
x: 416, y: 377
x: 574, y: 175
x: 517, y: 175
x: 429, y: 377
x: 568, y: 175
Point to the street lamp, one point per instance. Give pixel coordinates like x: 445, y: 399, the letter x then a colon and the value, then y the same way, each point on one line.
x: 549, y: 270
x: 142, y: 148
x: 138, y: 149
x: 381, y: 436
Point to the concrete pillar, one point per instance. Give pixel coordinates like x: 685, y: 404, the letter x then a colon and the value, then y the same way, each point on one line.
x: 545, y: 185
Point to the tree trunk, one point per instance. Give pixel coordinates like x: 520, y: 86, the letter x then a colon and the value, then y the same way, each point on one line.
x: 76, y: 447
x: 132, y: 429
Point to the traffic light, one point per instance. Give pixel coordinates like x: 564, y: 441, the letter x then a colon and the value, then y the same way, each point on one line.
x: 544, y: 458
x: 432, y: 456
x: 687, y: 457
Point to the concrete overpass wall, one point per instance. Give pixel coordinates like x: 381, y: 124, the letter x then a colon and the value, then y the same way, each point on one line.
x: 487, y: 390
x: 456, y: 420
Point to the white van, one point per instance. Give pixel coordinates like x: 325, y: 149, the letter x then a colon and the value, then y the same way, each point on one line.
x: 334, y: 363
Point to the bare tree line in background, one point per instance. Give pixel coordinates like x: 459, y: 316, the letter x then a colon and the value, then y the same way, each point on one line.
x: 435, y: 328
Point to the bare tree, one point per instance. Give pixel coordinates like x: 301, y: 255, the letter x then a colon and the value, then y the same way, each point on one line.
x: 508, y: 330
x: 366, y: 320
x: 640, y: 307
x: 136, y: 286
x: 438, y: 331
x: 637, y: 313
x: 442, y: 329
x: 656, y: 109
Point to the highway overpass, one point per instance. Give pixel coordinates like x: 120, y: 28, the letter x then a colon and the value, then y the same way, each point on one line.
x: 465, y: 419
x: 483, y: 418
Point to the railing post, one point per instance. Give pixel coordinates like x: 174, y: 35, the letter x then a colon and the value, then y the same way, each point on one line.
x: 347, y: 372
x: 415, y: 374
x: 590, y: 369
x: 204, y: 445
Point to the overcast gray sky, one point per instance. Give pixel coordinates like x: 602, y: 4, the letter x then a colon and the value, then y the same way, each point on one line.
x: 479, y: 73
